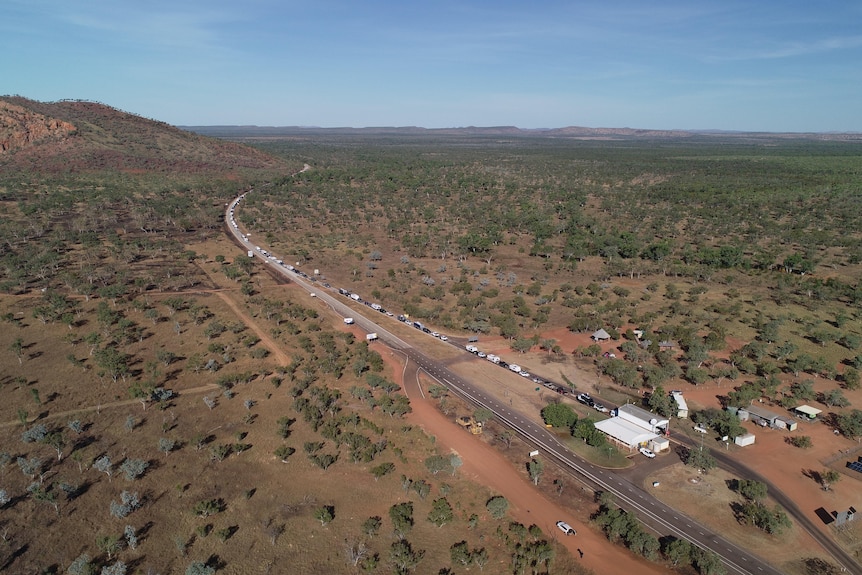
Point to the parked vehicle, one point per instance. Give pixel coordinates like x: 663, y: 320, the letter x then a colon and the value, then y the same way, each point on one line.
x: 566, y: 528
x: 515, y: 367
x: 472, y: 348
x: 646, y: 452
x: 700, y: 429
x: 371, y: 336
x: 348, y: 320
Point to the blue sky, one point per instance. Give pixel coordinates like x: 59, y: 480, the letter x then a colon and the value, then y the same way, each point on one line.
x: 735, y: 65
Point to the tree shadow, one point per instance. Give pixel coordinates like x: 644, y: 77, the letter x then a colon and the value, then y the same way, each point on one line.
x: 738, y: 512
x: 15, y: 555
x: 814, y: 475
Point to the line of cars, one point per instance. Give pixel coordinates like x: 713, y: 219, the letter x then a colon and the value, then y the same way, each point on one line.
x: 513, y: 367
x: 590, y: 402
x: 402, y: 318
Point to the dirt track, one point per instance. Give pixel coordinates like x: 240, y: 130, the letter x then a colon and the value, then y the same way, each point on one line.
x: 484, y: 465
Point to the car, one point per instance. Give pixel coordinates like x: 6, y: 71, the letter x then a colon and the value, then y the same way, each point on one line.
x: 443, y: 338
x: 524, y: 374
x: 600, y: 408
x: 646, y: 452
x: 538, y: 380
x: 700, y: 429
x: 566, y: 528
x: 482, y: 354
x: 435, y: 334
x: 584, y: 398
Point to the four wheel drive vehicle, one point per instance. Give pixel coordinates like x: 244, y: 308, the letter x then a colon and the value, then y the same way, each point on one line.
x: 348, y: 320
x: 700, y: 429
x: 515, y: 367
x: 482, y: 354
x: 472, y: 348
x: 566, y: 528
x: 524, y: 373
x: 600, y: 408
x: 443, y: 338
x: 646, y: 452
x: 585, y: 398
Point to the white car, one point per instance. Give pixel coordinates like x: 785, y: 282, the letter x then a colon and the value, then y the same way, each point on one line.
x: 444, y: 338
x: 646, y: 452
x: 524, y: 374
x: 600, y: 408
x: 700, y: 429
x: 435, y: 334
x: 482, y: 354
x: 566, y: 528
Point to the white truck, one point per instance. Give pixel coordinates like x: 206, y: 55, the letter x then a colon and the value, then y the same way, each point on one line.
x: 515, y: 367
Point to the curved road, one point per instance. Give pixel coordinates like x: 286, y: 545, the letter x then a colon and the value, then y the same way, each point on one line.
x: 663, y: 518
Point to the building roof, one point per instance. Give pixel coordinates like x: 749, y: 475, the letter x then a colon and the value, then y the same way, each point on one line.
x: 761, y: 412
x: 624, y: 431
x: 808, y: 410
x: 638, y: 412
x: 601, y: 334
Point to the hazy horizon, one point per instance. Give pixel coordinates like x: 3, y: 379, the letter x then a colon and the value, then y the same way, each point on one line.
x: 733, y: 66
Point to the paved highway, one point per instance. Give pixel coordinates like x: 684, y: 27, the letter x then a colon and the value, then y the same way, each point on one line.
x: 661, y: 517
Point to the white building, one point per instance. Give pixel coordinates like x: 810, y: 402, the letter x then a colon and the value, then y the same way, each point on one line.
x: 635, y: 427
x: 681, y: 405
x: 625, y: 432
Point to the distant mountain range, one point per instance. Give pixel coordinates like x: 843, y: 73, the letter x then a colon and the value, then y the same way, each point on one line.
x: 573, y: 132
